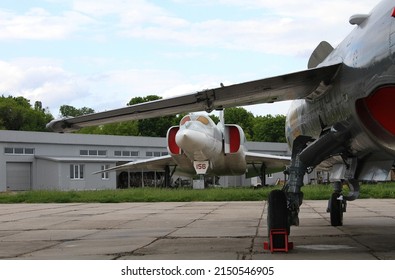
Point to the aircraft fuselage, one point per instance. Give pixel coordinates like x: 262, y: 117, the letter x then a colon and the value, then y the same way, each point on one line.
x: 203, y: 143
x: 355, y: 108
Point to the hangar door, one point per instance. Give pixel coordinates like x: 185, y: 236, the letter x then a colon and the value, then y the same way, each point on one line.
x: 19, y: 176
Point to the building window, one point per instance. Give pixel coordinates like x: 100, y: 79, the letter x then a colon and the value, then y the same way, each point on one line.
x: 126, y: 153
x: 77, y: 171
x: 19, y: 151
x: 117, y: 153
x: 8, y: 150
x: 155, y: 154
x: 269, y: 175
x: 105, y: 175
x: 29, y: 151
x: 93, y: 153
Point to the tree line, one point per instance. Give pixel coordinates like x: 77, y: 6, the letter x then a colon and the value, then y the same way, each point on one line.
x: 16, y: 113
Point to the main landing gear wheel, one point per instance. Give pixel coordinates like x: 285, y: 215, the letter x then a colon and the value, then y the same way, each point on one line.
x: 336, y: 210
x: 277, y: 216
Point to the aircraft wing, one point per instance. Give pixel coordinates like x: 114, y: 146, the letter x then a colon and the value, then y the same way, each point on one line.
x: 152, y: 164
x: 271, y: 163
x: 298, y: 85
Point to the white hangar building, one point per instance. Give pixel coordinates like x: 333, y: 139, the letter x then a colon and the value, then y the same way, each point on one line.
x: 40, y: 160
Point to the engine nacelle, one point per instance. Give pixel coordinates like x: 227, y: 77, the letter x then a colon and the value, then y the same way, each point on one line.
x: 171, y: 141
x: 234, y: 138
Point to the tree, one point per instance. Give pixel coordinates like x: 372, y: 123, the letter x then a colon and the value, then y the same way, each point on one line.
x: 127, y: 128
x: 156, y: 127
x: 241, y: 117
x: 269, y: 129
x: 16, y: 113
x: 38, y: 106
x: 265, y: 129
x: 139, y: 99
x: 70, y: 111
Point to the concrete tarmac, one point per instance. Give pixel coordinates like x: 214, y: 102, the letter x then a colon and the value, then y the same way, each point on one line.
x: 191, y: 230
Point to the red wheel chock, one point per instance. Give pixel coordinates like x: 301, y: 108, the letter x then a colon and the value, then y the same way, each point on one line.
x: 284, y: 234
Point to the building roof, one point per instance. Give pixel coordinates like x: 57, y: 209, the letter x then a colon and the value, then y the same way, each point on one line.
x: 11, y: 136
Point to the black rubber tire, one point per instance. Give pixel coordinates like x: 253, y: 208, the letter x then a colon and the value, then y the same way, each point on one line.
x: 277, y: 216
x: 336, y: 210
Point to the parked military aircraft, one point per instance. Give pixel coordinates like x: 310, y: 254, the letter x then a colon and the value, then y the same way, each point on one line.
x: 342, y: 119
x: 198, y: 146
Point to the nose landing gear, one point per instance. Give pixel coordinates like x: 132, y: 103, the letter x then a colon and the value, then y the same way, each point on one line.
x: 336, y: 208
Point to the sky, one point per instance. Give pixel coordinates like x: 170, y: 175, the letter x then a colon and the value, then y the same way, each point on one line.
x: 102, y: 53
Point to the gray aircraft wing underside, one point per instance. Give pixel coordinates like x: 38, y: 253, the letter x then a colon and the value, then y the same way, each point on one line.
x: 291, y: 86
x: 180, y: 163
x: 271, y: 163
x: 152, y: 164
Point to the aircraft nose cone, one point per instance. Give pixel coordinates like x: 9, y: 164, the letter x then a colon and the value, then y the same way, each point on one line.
x: 189, y: 140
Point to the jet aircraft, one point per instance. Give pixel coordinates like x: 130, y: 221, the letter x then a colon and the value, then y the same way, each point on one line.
x: 198, y: 146
x: 342, y: 117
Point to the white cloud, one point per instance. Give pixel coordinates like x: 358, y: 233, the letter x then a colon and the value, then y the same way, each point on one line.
x: 37, y: 82
x: 115, y: 88
x: 301, y: 8
x: 48, y: 82
x: 39, y: 24
x: 285, y: 27
x: 54, y: 86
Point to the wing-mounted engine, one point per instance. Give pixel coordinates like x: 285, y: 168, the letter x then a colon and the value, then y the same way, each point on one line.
x: 172, y: 146
x: 234, y: 138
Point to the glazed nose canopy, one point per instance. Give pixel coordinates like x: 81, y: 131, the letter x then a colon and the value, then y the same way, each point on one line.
x: 378, y: 110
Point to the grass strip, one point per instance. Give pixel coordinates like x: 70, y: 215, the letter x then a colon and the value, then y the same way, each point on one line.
x: 311, y: 192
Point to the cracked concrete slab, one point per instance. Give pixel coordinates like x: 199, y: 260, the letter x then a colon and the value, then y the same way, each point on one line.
x: 190, y: 230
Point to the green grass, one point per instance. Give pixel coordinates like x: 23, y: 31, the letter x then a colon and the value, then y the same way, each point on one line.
x: 134, y: 195
x: 316, y: 192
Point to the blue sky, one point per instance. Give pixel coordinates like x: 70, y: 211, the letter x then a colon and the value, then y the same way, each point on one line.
x: 102, y: 53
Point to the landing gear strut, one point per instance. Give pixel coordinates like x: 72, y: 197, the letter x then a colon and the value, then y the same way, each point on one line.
x: 337, y: 204
x: 283, y: 205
